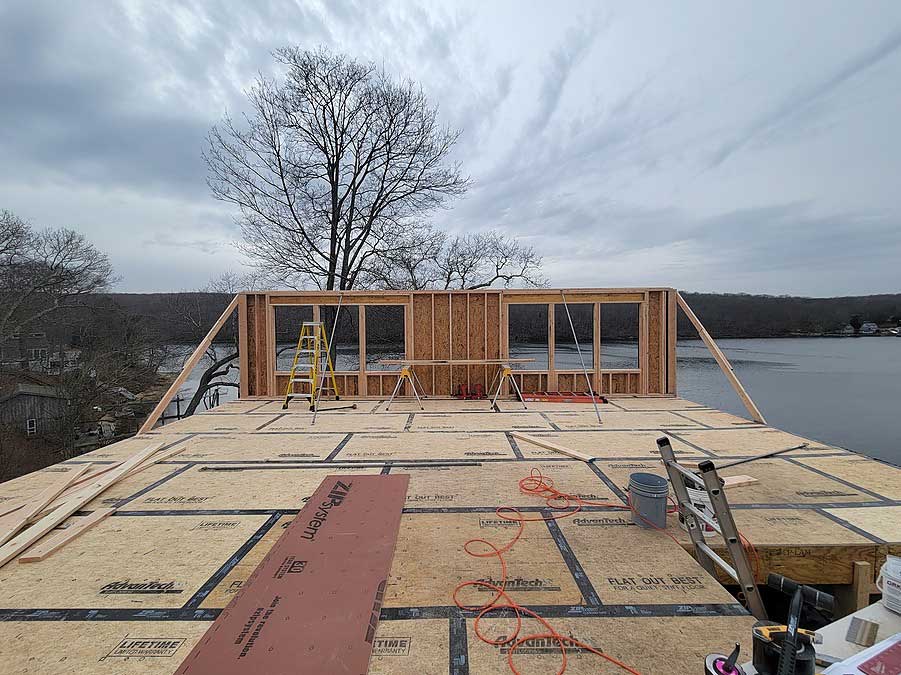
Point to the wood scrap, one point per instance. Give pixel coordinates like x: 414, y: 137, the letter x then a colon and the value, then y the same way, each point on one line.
x: 45, y: 548
x: 9, y: 520
x: 156, y: 459
x: 9, y: 507
x: 548, y: 445
x: 73, y: 486
x: 39, y: 503
x: 30, y: 535
x: 38, y: 553
x: 738, y: 481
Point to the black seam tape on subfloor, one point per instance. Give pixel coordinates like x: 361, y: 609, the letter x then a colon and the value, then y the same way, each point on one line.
x: 387, y: 613
x: 826, y: 474
x: 854, y: 528
x: 492, y: 509
x: 339, y: 447
x: 572, y: 562
x: 458, y: 646
x: 514, y: 446
x: 144, y: 490
x: 609, y: 483
x: 220, y: 574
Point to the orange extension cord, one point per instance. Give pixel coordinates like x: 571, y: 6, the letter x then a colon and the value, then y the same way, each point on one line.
x: 565, y: 505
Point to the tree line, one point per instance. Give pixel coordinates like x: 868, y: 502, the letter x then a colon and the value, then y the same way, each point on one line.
x: 725, y: 315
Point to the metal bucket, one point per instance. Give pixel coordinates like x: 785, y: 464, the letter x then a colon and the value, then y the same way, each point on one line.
x: 647, y: 495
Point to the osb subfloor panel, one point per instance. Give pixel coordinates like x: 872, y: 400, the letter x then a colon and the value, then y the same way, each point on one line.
x: 137, y: 591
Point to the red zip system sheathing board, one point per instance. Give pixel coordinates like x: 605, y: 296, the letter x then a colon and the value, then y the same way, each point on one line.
x: 312, y: 605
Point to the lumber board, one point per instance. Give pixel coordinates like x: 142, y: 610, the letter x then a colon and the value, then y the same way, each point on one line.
x: 722, y: 361
x: 10, y: 507
x: 67, y: 491
x: 186, y: 369
x: 452, y: 362
x: 40, y: 503
x: 8, y: 521
x: 540, y: 442
x: 146, y: 464
x: 738, y: 481
x: 315, y: 598
x: 45, y: 548
x: 26, y: 538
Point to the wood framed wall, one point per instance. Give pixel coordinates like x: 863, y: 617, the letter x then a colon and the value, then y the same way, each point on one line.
x: 466, y: 325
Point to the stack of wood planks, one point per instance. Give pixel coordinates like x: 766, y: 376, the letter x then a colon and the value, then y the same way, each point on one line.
x: 23, y: 524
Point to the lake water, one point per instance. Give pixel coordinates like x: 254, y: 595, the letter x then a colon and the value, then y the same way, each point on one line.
x: 841, y: 391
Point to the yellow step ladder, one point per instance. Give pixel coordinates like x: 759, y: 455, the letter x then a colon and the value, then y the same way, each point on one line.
x: 312, y: 373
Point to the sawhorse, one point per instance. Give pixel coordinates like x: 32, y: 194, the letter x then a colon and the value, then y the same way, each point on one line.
x: 406, y: 373
x: 504, y: 373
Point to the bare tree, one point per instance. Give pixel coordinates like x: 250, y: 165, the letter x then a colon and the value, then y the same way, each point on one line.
x: 469, y: 261
x: 43, y: 272
x: 334, y: 168
x: 117, y: 350
x: 195, y: 314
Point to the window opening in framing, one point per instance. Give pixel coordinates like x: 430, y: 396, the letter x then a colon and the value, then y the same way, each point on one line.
x: 385, y: 335
x: 619, y: 335
x: 288, y: 320
x: 527, y: 335
x: 566, y: 357
x: 344, y: 337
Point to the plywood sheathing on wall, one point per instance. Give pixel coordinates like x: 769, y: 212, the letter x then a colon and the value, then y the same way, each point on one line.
x: 205, y: 518
x: 460, y: 325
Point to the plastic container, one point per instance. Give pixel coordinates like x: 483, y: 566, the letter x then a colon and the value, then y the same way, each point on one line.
x: 647, y: 495
x: 889, y: 583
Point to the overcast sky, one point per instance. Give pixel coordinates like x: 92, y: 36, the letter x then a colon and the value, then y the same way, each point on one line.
x: 706, y: 145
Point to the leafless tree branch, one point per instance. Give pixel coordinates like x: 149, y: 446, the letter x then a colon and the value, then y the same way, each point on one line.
x: 334, y: 169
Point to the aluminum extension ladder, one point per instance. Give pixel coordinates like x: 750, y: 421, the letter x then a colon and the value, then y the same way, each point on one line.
x: 723, y: 524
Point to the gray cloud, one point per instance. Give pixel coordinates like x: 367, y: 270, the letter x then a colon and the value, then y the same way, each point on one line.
x: 793, y: 107
x: 557, y: 70
x: 653, y: 148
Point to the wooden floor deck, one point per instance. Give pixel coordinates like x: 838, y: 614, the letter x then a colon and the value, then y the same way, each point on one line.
x: 136, y: 592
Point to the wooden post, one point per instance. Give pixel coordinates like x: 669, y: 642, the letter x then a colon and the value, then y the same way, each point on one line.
x: 643, y: 346
x: 188, y: 367
x: 672, y: 337
x: 551, y: 346
x: 362, y: 385
x: 721, y: 359
x: 409, y: 351
x: 856, y: 595
x: 596, y: 347
x: 244, y: 389
x: 271, y: 347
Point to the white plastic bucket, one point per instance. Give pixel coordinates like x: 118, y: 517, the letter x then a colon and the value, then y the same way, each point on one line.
x: 889, y: 583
